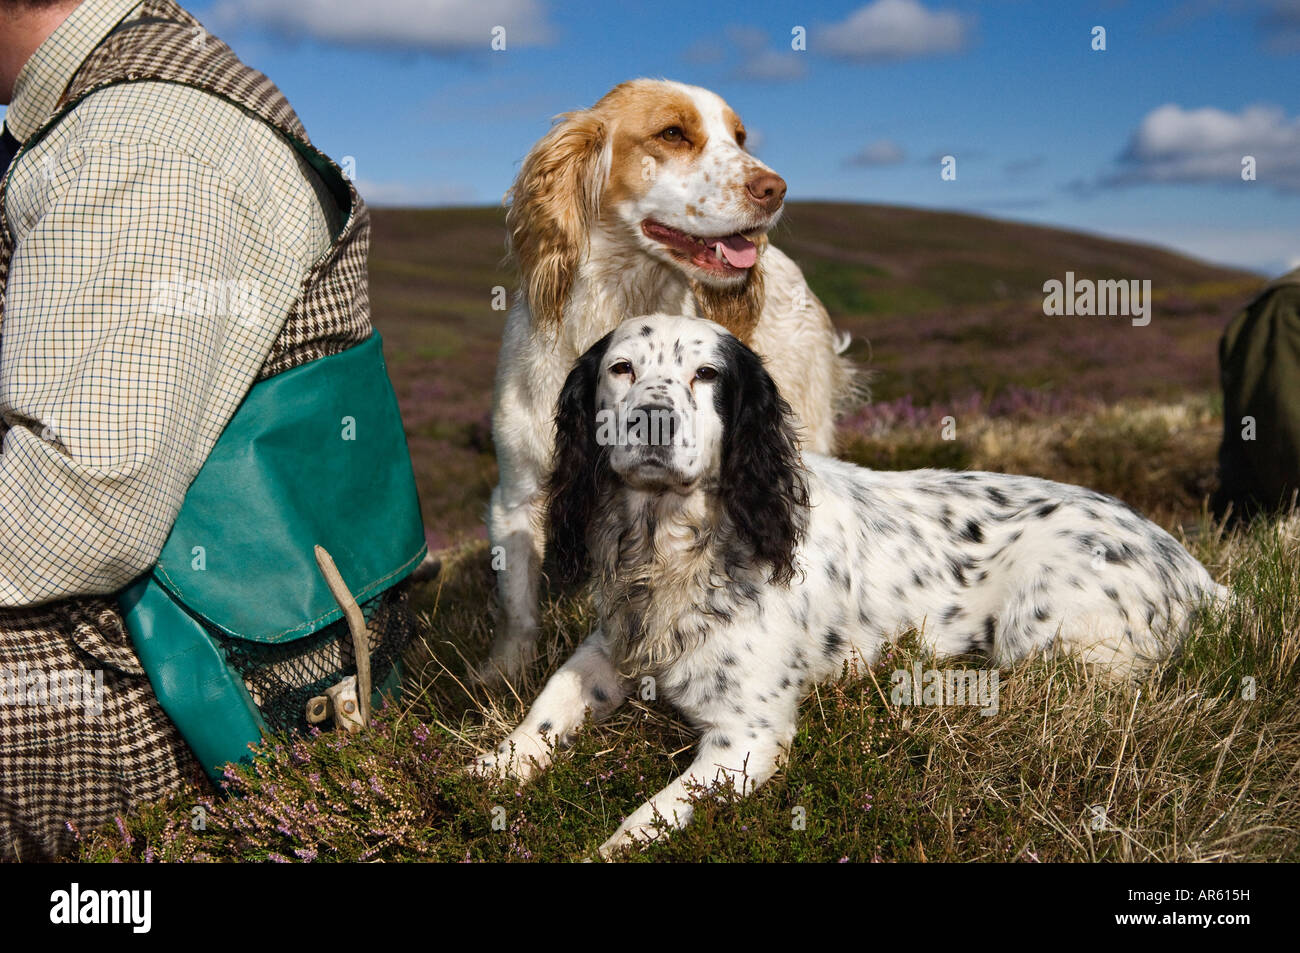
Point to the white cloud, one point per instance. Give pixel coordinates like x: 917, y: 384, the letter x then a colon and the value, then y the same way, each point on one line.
x: 751, y: 39
x: 759, y: 63
x: 894, y: 30
x: 442, y: 26
x: 704, y: 53
x: 1015, y: 168
x: 771, y: 66
x: 415, y: 194
x: 1257, y: 248
x: 880, y: 152
x: 1174, y: 145
x: 1280, y: 26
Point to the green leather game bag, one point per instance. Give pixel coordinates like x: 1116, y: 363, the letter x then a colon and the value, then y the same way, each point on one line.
x: 235, y: 625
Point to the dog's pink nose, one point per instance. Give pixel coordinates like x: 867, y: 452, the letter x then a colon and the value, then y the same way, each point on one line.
x: 767, y: 189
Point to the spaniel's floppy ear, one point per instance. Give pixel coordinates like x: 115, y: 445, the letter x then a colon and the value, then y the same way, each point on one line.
x: 580, y: 465
x: 762, y: 482
x: 552, y: 204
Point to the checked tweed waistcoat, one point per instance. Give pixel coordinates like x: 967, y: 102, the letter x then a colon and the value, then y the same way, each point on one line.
x: 99, y: 766
x: 169, y: 45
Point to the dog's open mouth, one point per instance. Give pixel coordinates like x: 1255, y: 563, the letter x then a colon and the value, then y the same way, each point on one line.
x: 723, y: 255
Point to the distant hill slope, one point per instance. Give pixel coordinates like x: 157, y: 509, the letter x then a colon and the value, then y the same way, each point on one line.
x: 882, y: 259
x: 941, y: 305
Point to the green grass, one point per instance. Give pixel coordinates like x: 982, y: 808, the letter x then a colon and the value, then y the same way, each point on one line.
x: 1158, y: 457
x: 1184, y: 765
x: 911, y: 452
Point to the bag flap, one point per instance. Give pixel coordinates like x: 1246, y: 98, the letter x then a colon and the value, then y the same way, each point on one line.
x: 313, y: 456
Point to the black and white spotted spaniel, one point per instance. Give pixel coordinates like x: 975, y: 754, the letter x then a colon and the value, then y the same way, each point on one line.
x: 737, y: 574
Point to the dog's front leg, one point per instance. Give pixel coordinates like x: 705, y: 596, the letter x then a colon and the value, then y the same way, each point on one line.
x: 587, y: 682
x: 722, y: 760
x: 517, y: 541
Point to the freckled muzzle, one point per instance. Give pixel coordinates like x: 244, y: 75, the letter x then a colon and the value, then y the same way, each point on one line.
x: 656, y: 429
x: 653, y: 443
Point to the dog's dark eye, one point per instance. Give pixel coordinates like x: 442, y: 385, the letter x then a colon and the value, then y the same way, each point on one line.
x: 620, y: 368
x: 741, y: 136
x: 672, y: 134
x: 706, y: 373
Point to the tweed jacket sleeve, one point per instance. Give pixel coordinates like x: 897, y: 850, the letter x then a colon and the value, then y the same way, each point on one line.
x: 154, y: 264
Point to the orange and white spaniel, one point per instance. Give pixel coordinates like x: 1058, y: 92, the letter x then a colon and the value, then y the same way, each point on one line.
x: 645, y: 202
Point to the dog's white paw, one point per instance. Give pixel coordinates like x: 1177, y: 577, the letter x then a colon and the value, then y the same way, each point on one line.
x: 487, y: 766
x: 629, y: 837
x: 518, y: 758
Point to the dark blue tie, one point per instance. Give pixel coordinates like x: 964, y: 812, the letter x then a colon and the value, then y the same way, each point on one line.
x: 8, y: 149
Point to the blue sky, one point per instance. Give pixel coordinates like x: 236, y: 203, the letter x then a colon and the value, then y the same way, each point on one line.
x: 1143, y: 140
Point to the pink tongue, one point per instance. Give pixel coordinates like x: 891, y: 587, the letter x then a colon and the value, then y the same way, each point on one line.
x: 738, y: 250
